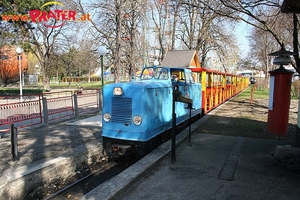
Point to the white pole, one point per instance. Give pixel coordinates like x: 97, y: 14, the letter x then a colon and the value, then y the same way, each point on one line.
x: 20, y: 71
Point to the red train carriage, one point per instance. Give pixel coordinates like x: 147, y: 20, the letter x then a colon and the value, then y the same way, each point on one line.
x: 217, y: 87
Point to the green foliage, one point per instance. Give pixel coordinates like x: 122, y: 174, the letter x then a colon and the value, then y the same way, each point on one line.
x: 12, y: 32
x: 20, y: 6
x: 16, y: 91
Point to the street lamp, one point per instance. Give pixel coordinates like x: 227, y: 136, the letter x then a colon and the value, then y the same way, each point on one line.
x: 19, y: 51
x: 102, y: 51
x: 36, y: 73
x: 282, y: 57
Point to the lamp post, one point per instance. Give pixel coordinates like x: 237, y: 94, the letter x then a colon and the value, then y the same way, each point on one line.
x: 102, y: 51
x: 36, y: 73
x: 19, y: 51
x: 36, y: 66
x: 156, y: 62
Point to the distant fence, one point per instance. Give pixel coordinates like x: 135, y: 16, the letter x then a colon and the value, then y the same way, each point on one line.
x: 41, y: 109
x: 87, y: 101
x: 78, y: 79
x: 107, y: 77
x: 110, y: 78
x: 20, y: 113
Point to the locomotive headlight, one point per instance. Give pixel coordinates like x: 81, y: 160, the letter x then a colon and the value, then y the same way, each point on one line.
x: 137, y: 120
x: 106, y: 117
x: 118, y: 91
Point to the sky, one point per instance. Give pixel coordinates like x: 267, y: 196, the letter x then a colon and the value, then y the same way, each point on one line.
x: 241, y: 32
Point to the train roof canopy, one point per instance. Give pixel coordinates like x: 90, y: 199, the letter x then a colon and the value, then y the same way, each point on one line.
x: 181, y: 59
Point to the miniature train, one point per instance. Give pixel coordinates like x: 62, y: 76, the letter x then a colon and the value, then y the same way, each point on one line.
x: 137, y: 116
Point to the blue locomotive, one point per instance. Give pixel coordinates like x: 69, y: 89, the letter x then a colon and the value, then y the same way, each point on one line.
x: 137, y: 116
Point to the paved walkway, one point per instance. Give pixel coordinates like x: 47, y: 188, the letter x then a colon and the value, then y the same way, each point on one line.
x: 46, y: 142
x: 43, y: 144
x: 213, y: 167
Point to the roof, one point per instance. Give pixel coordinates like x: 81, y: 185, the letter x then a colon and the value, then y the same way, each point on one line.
x: 290, y: 6
x: 181, y: 59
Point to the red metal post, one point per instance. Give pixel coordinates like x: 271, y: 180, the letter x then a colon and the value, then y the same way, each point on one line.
x: 279, y: 101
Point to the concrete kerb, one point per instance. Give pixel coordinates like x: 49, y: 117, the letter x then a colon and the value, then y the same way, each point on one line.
x: 17, y: 183
x: 122, y: 181
x: 282, y: 151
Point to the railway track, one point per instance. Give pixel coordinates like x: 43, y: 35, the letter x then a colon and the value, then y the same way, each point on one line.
x: 78, y: 188
x: 101, y: 172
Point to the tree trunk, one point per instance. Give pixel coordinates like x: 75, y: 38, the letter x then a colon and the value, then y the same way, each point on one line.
x: 46, y: 81
x: 296, y: 43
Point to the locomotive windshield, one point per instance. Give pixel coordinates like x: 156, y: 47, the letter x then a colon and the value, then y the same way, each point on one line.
x: 159, y: 73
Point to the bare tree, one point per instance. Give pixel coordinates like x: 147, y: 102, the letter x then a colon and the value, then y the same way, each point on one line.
x: 107, y: 27
x: 161, y: 18
x: 250, y: 12
x: 262, y: 43
x: 257, y: 14
x: 174, y: 7
x: 131, y: 31
x: 43, y: 40
x: 85, y: 60
x: 205, y: 31
x: 118, y: 25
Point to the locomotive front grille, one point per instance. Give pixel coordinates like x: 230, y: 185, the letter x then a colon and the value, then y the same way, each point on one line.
x: 121, y: 110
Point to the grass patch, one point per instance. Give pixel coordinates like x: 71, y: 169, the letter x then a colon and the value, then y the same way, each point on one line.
x: 258, y: 93
x: 84, y: 85
x: 261, y: 93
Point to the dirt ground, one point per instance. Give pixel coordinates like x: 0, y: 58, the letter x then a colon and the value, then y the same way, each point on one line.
x: 240, y: 117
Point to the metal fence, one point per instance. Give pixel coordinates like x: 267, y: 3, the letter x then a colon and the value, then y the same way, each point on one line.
x: 42, y: 109
x: 59, y: 107
x: 20, y: 113
x: 110, y: 78
x: 88, y: 100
